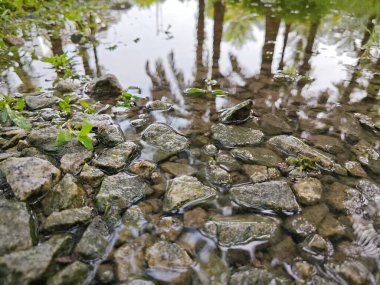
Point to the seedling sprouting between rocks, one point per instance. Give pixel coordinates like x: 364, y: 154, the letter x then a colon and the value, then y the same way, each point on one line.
x: 303, y: 162
x: 208, y: 90
x: 11, y: 109
x: 82, y: 136
x: 129, y: 98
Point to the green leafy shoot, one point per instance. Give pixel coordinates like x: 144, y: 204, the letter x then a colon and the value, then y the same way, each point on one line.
x: 209, y: 83
x: 82, y: 136
x: 65, y: 104
x: 62, y: 64
x: 303, y: 162
x: 11, y: 110
x: 219, y: 92
x: 195, y: 91
x: 87, y: 108
x: 128, y: 99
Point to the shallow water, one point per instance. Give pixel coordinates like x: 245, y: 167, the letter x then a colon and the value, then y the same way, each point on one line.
x: 314, y: 65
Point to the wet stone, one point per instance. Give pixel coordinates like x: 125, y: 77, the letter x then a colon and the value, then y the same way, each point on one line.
x: 370, y: 190
x: 237, y: 114
x: 94, y: 240
x: 308, y: 191
x: 116, y: 158
x: 327, y: 143
x: 178, y: 169
x: 316, y: 247
x: 348, y: 126
x: 257, y: 173
x: 92, y: 175
x: 331, y: 228
x: 241, y: 229
x: 110, y: 134
x: 210, y: 150
x: 74, y: 274
x: 257, y: 155
x: 67, y: 218
x: 253, y: 276
x: 143, y: 168
x: 367, y: 155
x: 24, y: 267
x: 158, y: 105
x: 195, y: 218
x: 274, y: 125
x: 130, y: 258
x: 121, y: 191
x: 231, y: 136
x: 39, y: 101
x: 273, y: 195
x: 291, y: 145
x: 218, y: 176
x: 29, y: 176
x: 15, y: 227
x: 139, y: 282
x: 212, y: 270
x: 67, y: 194
x: 13, y: 40
x: 354, y: 168
x: 65, y: 86
x: 226, y: 161
x: 105, y: 273
x: 164, y: 141
x: 354, y: 272
x: 171, y: 259
x: 186, y: 191
x: 73, y: 162
x: 105, y: 87
x: 169, y: 228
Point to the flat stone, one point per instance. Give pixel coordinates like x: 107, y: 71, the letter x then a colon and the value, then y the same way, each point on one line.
x: 168, y: 257
x: 274, y: 125
x: 291, y: 145
x: 110, y: 134
x: 273, y: 195
x: 94, y: 240
x: 164, y: 141
x: 226, y: 161
x: 104, y: 87
x: 29, y: 176
x: 121, y: 191
x: 158, y: 105
x: 178, y: 169
x: 331, y: 228
x: 308, y: 191
x: 218, y: 176
x: 73, y: 162
x: 15, y: 227
x: 74, y: 274
x: 66, y: 86
x: 232, y: 136
x: 143, y: 168
x: 367, y: 155
x: 67, y: 194
x: 24, y: 267
x: 92, y: 175
x: 237, y: 114
x: 186, y: 191
x: 257, y: 173
x: 257, y: 155
x: 169, y: 228
x: 39, y: 101
x: 241, y: 229
x: 254, y: 276
x: 67, y: 218
x: 116, y: 158
x: 327, y: 143
x: 355, y: 169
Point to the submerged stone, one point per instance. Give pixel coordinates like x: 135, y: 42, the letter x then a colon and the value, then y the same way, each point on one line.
x: 354, y: 168
x: 74, y: 274
x: 67, y: 218
x: 186, y: 191
x: 257, y: 155
x: 94, y: 240
x: 237, y: 114
x: 241, y: 229
x: 273, y: 195
x: 308, y: 191
x: 256, y: 276
x: 164, y: 141
x: 274, y: 125
x: 231, y: 136
x: 178, y: 169
x: 24, y: 267
x: 168, y: 262
x: 15, y: 227
x: 121, y: 191
x: 29, y: 176
x: 218, y: 176
x: 116, y: 158
x: 158, y: 105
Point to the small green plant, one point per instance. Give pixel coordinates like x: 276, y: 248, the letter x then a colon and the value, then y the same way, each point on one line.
x: 64, y: 104
x: 82, y: 136
x: 291, y: 74
x: 62, y: 64
x: 11, y: 109
x: 303, y: 162
x: 88, y: 109
x: 207, y: 90
x: 129, y: 98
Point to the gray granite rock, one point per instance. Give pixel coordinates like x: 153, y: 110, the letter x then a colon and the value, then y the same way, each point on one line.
x: 236, y: 114
x: 232, y: 136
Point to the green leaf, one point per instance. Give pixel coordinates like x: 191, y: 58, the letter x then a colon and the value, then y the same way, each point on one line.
x: 86, y: 141
x: 195, y: 91
x: 219, y: 92
x: 86, y: 128
x: 62, y: 138
x: 65, y: 106
x: 20, y: 104
x: 127, y: 95
x: 4, y: 116
x: 17, y: 119
x: 84, y: 104
x: 2, y: 105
